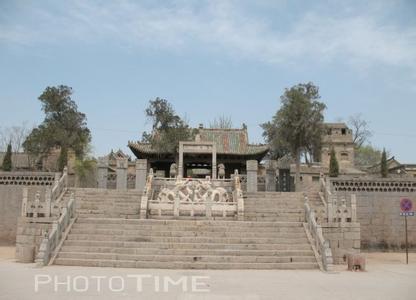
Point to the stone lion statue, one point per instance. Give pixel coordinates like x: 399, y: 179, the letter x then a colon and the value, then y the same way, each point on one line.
x: 221, y: 171
x: 173, y: 170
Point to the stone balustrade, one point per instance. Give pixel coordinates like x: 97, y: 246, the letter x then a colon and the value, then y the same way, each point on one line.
x: 48, y: 205
x: 51, y: 243
x: 382, y: 185
x: 320, y: 246
x: 177, y: 197
x: 27, y: 178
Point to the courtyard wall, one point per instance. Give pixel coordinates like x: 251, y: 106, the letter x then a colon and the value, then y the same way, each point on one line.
x: 378, y: 211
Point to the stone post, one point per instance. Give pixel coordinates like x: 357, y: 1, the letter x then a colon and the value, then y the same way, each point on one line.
x: 102, y: 173
x: 141, y: 174
x: 353, y: 208
x: 252, y: 166
x: 48, y: 195
x: 180, y: 166
x: 214, y: 163
x: 176, y: 206
x: 271, y: 176
x: 24, y: 202
x: 121, y: 183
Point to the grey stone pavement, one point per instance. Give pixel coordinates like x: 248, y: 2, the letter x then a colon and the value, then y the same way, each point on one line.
x: 387, y: 277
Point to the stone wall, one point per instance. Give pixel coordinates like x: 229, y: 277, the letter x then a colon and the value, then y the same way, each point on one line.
x: 378, y: 210
x: 10, y: 209
x: 382, y: 227
x: 344, y: 238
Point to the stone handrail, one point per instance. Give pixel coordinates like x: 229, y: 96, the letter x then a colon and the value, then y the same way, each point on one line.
x: 60, y: 185
x: 238, y: 196
x: 325, y: 191
x: 320, y: 246
x: 44, y: 208
x: 51, y: 241
x: 193, y: 197
x: 147, y: 194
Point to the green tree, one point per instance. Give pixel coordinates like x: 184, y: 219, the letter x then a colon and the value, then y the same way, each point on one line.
x: 383, y: 166
x: 63, y: 158
x: 167, y: 127
x: 367, y: 156
x: 333, y: 164
x: 85, y: 172
x: 64, y: 126
x: 7, y: 160
x: 297, y: 127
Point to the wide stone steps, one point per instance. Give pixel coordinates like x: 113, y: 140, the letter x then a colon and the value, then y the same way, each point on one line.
x: 189, y: 258
x: 295, y: 227
x: 197, y: 223
x: 183, y: 265
x: 182, y: 233
x: 194, y: 239
x: 192, y: 252
x: 217, y: 246
x: 186, y: 244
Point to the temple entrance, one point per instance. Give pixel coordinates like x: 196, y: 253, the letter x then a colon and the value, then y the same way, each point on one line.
x: 197, y: 157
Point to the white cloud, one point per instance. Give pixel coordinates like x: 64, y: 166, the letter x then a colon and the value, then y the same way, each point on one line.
x: 362, y: 40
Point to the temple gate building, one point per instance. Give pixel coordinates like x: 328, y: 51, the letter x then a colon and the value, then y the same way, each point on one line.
x: 212, y: 149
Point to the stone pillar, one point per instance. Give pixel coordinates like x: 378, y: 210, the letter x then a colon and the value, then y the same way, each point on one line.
x: 252, y: 166
x: 121, y: 183
x: 141, y: 174
x: 271, y: 176
x: 102, y: 172
x: 214, y: 164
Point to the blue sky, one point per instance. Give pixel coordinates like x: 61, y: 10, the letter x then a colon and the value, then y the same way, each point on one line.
x: 211, y: 58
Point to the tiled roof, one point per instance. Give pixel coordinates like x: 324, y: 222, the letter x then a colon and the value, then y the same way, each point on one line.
x: 227, y: 141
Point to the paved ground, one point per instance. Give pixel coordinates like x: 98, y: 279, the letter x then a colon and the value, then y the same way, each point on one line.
x: 387, y: 278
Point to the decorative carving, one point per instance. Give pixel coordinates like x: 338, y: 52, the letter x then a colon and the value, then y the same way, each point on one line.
x: 194, y: 191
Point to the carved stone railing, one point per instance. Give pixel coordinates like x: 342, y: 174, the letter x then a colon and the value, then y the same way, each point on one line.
x: 27, y: 178
x: 339, y: 211
x: 238, y: 196
x: 325, y: 191
x: 337, y: 208
x: 175, y: 197
x: 37, y: 207
x: 381, y: 185
x: 193, y: 197
x: 147, y: 194
x: 60, y: 185
x: 52, y: 241
x: 321, y: 247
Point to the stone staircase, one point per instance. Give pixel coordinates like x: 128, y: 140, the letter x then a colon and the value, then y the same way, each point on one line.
x: 186, y: 244
x: 102, y: 238
x: 274, y: 207
x: 104, y: 203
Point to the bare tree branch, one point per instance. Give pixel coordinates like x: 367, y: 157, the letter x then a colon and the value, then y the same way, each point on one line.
x: 360, y: 130
x: 14, y: 135
x: 223, y: 122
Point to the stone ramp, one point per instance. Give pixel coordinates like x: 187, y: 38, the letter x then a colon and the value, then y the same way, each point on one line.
x: 186, y: 244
